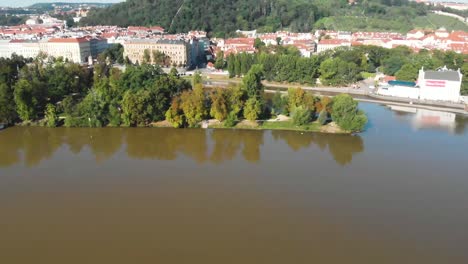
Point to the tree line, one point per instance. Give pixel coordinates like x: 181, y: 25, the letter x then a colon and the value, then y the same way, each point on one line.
x: 341, y: 66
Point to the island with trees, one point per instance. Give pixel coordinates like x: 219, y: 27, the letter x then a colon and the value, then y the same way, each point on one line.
x: 52, y: 92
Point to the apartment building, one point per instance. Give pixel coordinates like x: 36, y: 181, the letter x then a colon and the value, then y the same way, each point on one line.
x: 177, y: 50
x: 72, y: 49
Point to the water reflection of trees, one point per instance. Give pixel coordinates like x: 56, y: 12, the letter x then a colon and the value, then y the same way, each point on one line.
x: 32, y: 144
x: 35, y: 144
x: 228, y: 143
x: 166, y: 143
x: 341, y: 147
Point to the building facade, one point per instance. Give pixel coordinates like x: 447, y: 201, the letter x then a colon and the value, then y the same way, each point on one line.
x: 76, y: 50
x: 443, y: 85
x: 440, y: 85
x: 177, y: 50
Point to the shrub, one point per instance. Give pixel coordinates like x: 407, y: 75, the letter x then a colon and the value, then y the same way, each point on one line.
x: 301, y: 116
x: 231, y: 120
x: 322, y: 118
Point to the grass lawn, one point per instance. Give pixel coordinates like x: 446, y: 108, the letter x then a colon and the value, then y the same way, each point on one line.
x: 288, y: 125
x: 367, y: 75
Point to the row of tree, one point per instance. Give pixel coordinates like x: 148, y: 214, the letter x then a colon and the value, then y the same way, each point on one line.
x: 341, y: 66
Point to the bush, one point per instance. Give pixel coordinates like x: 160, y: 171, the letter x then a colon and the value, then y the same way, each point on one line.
x: 301, y: 116
x: 51, y: 116
x: 322, y: 118
x: 231, y: 120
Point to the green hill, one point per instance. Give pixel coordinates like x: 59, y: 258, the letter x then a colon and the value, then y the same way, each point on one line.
x: 225, y: 16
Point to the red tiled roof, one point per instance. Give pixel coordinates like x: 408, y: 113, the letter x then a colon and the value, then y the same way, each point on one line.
x: 68, y: 40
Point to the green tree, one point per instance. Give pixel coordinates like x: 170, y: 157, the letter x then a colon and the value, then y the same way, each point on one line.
x: 295, y: 98
x: 231, y: 120
x: 197, y: 79
x: 139, y: 108
x: 407, y: 73
x: 346, y: 114
x: 194, y: 106
x: 258, y: 43
x: 219, y: 108
x: 7, y: 104
x: 26, y: 103
x: 252, y: 109
x: 231, y: 65
x: 252, y: 81
x: 51, y: 116
x: 335, y: 71
x: 237, y: 66
x: 219, y: 63
x: 392, y: 64
x: 235, y: 99
x: 175, y: 114
x: 301, y: 116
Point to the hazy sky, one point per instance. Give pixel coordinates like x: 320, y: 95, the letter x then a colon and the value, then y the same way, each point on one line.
x: 17, y: 3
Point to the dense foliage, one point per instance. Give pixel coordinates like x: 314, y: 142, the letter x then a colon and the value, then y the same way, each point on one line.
x: 211, y: 15
x: 342, y: 66
x: 102, y: 96
x: 225, y: 17
x: 9, y: 20
x: 346, y: 114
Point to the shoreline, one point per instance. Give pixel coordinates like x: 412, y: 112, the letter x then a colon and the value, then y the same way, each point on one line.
x: 313, y: 127
x: 357, y: 94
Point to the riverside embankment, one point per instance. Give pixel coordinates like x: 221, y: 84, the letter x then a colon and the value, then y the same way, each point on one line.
x: 363, y: 94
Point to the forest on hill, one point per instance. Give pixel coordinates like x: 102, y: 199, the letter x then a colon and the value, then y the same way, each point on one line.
x: 223, y: 17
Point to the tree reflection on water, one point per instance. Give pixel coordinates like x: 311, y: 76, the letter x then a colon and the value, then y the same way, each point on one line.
x: 32, y: 145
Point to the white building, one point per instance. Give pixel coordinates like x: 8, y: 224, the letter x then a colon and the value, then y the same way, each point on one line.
x: 443, y: 85
x: 400, y: 89
x: 5, y: 48
x: 74, y: 49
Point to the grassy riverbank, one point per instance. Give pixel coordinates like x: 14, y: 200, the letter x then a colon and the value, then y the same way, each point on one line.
x: 287, y: 125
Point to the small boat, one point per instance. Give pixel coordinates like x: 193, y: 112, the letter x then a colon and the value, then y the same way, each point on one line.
x: 2, y: 126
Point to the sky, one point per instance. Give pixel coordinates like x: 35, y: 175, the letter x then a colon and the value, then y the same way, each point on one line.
x: 22, y: 3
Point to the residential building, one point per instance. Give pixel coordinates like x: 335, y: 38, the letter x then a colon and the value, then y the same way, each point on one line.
x: 329, y: 44
x: 74, y: 49
x: 177, y: 50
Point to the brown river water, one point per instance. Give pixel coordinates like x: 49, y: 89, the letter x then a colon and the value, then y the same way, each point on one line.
x: 396, y: 193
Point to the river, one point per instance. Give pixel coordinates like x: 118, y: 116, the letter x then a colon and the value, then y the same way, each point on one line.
x: 396, y: 193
